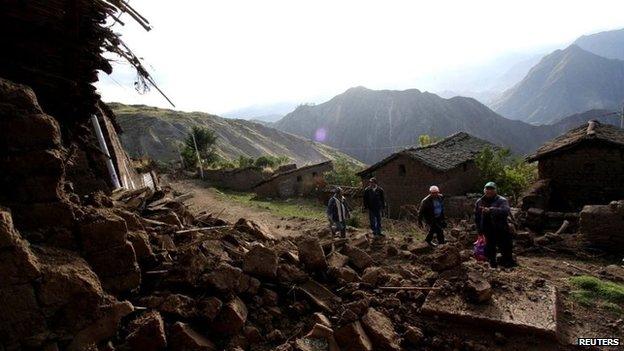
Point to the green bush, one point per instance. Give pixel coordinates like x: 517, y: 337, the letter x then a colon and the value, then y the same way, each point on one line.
x: 344, y: 173
x: 206, y: 140
x: 511, y: 174
x: 426, y: 139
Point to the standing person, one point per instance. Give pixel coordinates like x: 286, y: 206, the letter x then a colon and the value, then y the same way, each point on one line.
x: 432, y: 212
x: 375, y: 203
x: 338, y: 211
x: 491, y: 212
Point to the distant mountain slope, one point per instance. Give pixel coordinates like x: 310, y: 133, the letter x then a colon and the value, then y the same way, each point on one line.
x: 573, y: 121
x: 370, y: 124
x: 155, y: 132
x: 563, y: 83
x: 609, y: 44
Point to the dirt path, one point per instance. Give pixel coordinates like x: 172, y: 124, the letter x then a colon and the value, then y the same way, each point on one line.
x: 208, y: 199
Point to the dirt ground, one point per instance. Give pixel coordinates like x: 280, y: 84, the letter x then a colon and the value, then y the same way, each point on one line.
x: 575, y: 320
x: 206, y: 198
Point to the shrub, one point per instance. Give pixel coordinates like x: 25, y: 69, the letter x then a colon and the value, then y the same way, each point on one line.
x: 511, y: 174
x: 344, y: 173
x: 206, y: 140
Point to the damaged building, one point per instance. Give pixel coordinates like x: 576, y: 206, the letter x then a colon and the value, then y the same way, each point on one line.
x: 584, y: 166
x: 407, y: 175
x: 294, y: 181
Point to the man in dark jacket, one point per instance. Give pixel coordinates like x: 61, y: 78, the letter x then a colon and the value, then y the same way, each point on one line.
x: 375, y: 203
x: 432, y: 212
x: 491, y: 212
x: 338, y: 211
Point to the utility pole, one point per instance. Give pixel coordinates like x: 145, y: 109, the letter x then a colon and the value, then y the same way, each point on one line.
x: 201, y: 169
x: 622, y: 118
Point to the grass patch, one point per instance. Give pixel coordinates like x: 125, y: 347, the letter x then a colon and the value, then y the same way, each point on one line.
x: 596, y: 292
x: 296, y: 207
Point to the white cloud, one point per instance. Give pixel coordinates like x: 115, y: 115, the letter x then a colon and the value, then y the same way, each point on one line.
x: 216, y: 56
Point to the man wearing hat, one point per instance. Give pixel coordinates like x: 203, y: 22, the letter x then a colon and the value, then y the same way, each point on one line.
x: 338, y: 212
x: 491, y: 212
x: 432, y: 212
x: 375, y: 203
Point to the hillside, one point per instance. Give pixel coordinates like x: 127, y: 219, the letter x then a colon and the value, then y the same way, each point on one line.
x: 155, y: 132
x: 609, y: 44
x: 370, y: 124
x: 563, y: 83
x: 573, y: 121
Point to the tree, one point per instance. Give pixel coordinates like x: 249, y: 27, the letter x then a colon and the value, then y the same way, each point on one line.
x: 344, y: 173
x: 245, y: 161
x: 205, y: 139
x: 511, y: 174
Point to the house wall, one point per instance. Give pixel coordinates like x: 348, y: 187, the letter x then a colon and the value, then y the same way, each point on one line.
x: 238, y: 179
x: 411, y: 187
x: 584, y: 175
x: 299, y: 183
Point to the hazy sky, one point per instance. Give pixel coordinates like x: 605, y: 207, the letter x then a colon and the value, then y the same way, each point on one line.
x: 215, y: 56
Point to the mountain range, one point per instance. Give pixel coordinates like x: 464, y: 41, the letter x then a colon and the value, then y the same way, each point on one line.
x: 157, y: 133
x: 370, y: 124
x: 565, y: 82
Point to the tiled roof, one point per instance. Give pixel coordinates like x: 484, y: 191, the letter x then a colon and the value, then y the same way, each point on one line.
x: 591, y: 131
x: 443, y: 155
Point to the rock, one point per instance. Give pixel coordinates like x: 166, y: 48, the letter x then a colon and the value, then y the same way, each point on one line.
x: 225, y: 278
x: 336, y: 260
x: 102, y: 230
x: 371, y: 275
x: 445, y: 257
x: 208, y: 308
x: 352, y: 337
x: 269, y: 297
x: 259, y: 231
x: 252, y: 334
x: 147, y: 332
x: 320, y: 318
x: 392, y: 251
x: 103, y: 328
x: 288, y: 273
x: 183, y: 338
x: 421, y: 249
x: 344, y: 273
x: 311, y: 254
x: 191, y: 264
x: 275, y: 336
x: 141, y: 245
x: 414, y: 335
x: 477, y: 288
x: 358, y: 257
x: 176, y: 305
x: 21, y: 315
x: 381, y: 331
x: 232, y: 317
x: 261, y: 261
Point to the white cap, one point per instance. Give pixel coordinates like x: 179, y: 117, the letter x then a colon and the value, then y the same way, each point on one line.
x: 434, y: 188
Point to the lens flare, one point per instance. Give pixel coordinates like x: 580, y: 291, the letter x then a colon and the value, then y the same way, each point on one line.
x: 320, y: 134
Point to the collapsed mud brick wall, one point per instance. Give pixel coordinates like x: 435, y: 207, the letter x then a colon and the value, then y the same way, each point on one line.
x: 603, y: 226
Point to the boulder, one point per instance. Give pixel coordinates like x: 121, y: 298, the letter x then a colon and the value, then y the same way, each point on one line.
x: 208, y: 308
x: 358, y: 257
x: 477, y: 288
x: 346, y: 274
x: 259, y: 231
x: 311, y: 254
x: 336, y: 260
x: 381, y: 331
x: 414, y: 335
x: 260, y: 261
x: 147, y: 332
x: 183, y: 338
x: 232, y: 317
x: 352, y: 337
x: 445, y: 257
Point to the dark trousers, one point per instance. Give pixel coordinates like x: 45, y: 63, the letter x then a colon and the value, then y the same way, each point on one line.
x: 341, y: 227
x: 435, y: 228
x: 501, y: 241
x: 374, y: 217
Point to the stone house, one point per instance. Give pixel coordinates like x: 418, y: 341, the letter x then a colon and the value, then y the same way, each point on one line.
x: 295, y: 182
x: 584, y: 166
x: 407, y: 175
